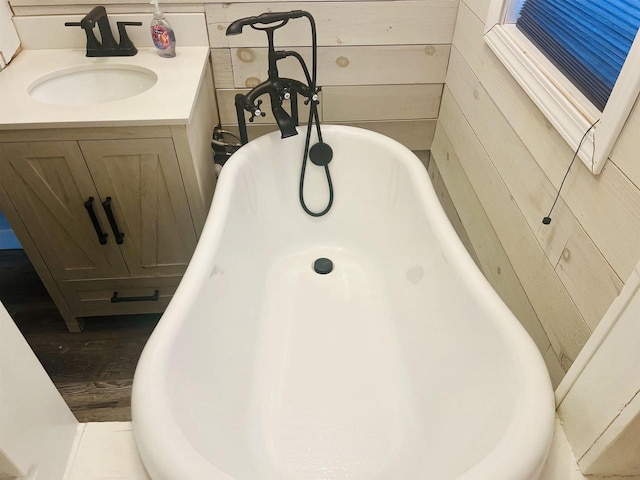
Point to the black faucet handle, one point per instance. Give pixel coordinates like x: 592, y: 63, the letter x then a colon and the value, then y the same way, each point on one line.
x: 126, y: 45
x: 313, y: 97
x: 256, y: 111
x: 72, y: 24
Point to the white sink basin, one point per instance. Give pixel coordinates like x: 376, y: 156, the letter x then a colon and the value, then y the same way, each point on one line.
x: 91, y: 84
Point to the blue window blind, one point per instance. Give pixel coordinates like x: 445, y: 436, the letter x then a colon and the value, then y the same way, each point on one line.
x: 588, y: 40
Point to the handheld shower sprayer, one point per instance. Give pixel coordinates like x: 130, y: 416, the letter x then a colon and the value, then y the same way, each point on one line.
x: 235, y: 28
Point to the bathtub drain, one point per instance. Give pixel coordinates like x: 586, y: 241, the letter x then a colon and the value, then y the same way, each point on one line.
x: 323, y: 266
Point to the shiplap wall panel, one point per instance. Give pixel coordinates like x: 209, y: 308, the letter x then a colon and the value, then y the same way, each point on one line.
x: 383, y: 65
x: 556, y: 372
x: 381, y: 102
x: 379, y: 61
x: 520, y: 111
x: 553, y: 154
x: 423, y: 22
x: 450, y: 209
x: 52, y: 3
x: 593, y: 286
x: 522, y: 175
x: 479, y: 7
x: 222, y: 67
x: 413, y: 134
x: 349, y: 103
x: 589, y: 279
x: 607, y: 205
x: 112, y: 8
x: 592, y: 244
x: 515, y: 104
x: 468, y: 37
x: 493, y: 259
x: 608, y: 208
x: 559, y: 316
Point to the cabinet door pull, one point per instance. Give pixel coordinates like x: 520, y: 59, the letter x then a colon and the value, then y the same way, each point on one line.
x: 150, y: 298
x: 102, y: 237
x: 112, y: 221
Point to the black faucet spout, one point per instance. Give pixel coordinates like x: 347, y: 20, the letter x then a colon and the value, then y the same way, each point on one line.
x: 285, y: 122
x: 99, y: 15
x: 91, y: 18
x: 278, y: 90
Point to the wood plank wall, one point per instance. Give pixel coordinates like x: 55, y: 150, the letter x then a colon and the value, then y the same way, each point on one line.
x: 499, y: 156
x: 382, y: 63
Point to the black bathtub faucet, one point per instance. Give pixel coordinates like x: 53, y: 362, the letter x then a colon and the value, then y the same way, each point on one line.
x: 279, y: 89
x: 107, y: 45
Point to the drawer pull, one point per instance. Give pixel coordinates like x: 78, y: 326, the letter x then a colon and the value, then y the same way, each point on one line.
x: 102, y: 237
x: 149, y: 298
x: 112, y: 221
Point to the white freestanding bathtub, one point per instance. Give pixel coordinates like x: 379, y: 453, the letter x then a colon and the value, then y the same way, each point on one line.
x: 400, y: 364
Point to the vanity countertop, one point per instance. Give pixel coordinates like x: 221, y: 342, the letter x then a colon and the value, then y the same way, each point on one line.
x: 169, y: 102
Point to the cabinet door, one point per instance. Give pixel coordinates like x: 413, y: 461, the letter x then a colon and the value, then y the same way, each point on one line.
x: 148, y: 202
x: 49, y: 183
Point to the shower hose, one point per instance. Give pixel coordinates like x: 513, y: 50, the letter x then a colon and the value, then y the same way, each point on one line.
x: 313, y: 117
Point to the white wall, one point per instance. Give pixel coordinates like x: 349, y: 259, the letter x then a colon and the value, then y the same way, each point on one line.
x: 37, y: 429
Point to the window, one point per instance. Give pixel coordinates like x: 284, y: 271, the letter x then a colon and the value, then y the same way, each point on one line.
x: 590, y: 69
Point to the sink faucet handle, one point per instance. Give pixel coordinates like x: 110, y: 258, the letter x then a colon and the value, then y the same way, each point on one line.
x: 125, y: 42
x: 72, y: 24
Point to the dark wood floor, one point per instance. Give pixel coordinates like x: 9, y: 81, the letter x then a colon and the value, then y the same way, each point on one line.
x: 93, y: 370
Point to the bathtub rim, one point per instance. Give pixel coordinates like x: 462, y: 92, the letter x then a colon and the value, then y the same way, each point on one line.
x: 148, y: 402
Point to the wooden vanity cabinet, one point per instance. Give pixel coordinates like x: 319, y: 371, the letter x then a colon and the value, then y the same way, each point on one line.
x: 49, y: 184
x: 102, y: 208
x: 109, y: 217
x: 144, y: 198
x: 110, y: 223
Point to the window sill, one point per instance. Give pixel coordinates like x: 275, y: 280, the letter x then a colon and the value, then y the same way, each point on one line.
x: 563, y: 105
x: 565, y: 108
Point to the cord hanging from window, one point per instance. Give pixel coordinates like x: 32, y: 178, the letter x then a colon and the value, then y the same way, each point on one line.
x: 547, y: 220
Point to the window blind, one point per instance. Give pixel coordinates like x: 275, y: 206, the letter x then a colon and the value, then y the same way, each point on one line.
x: 588, y: 40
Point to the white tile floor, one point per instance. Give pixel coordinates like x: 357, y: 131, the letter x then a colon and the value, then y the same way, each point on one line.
x: 107, y: 451
x: 561, y: 464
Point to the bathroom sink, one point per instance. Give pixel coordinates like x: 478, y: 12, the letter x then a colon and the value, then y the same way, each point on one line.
x: 91, y: 84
